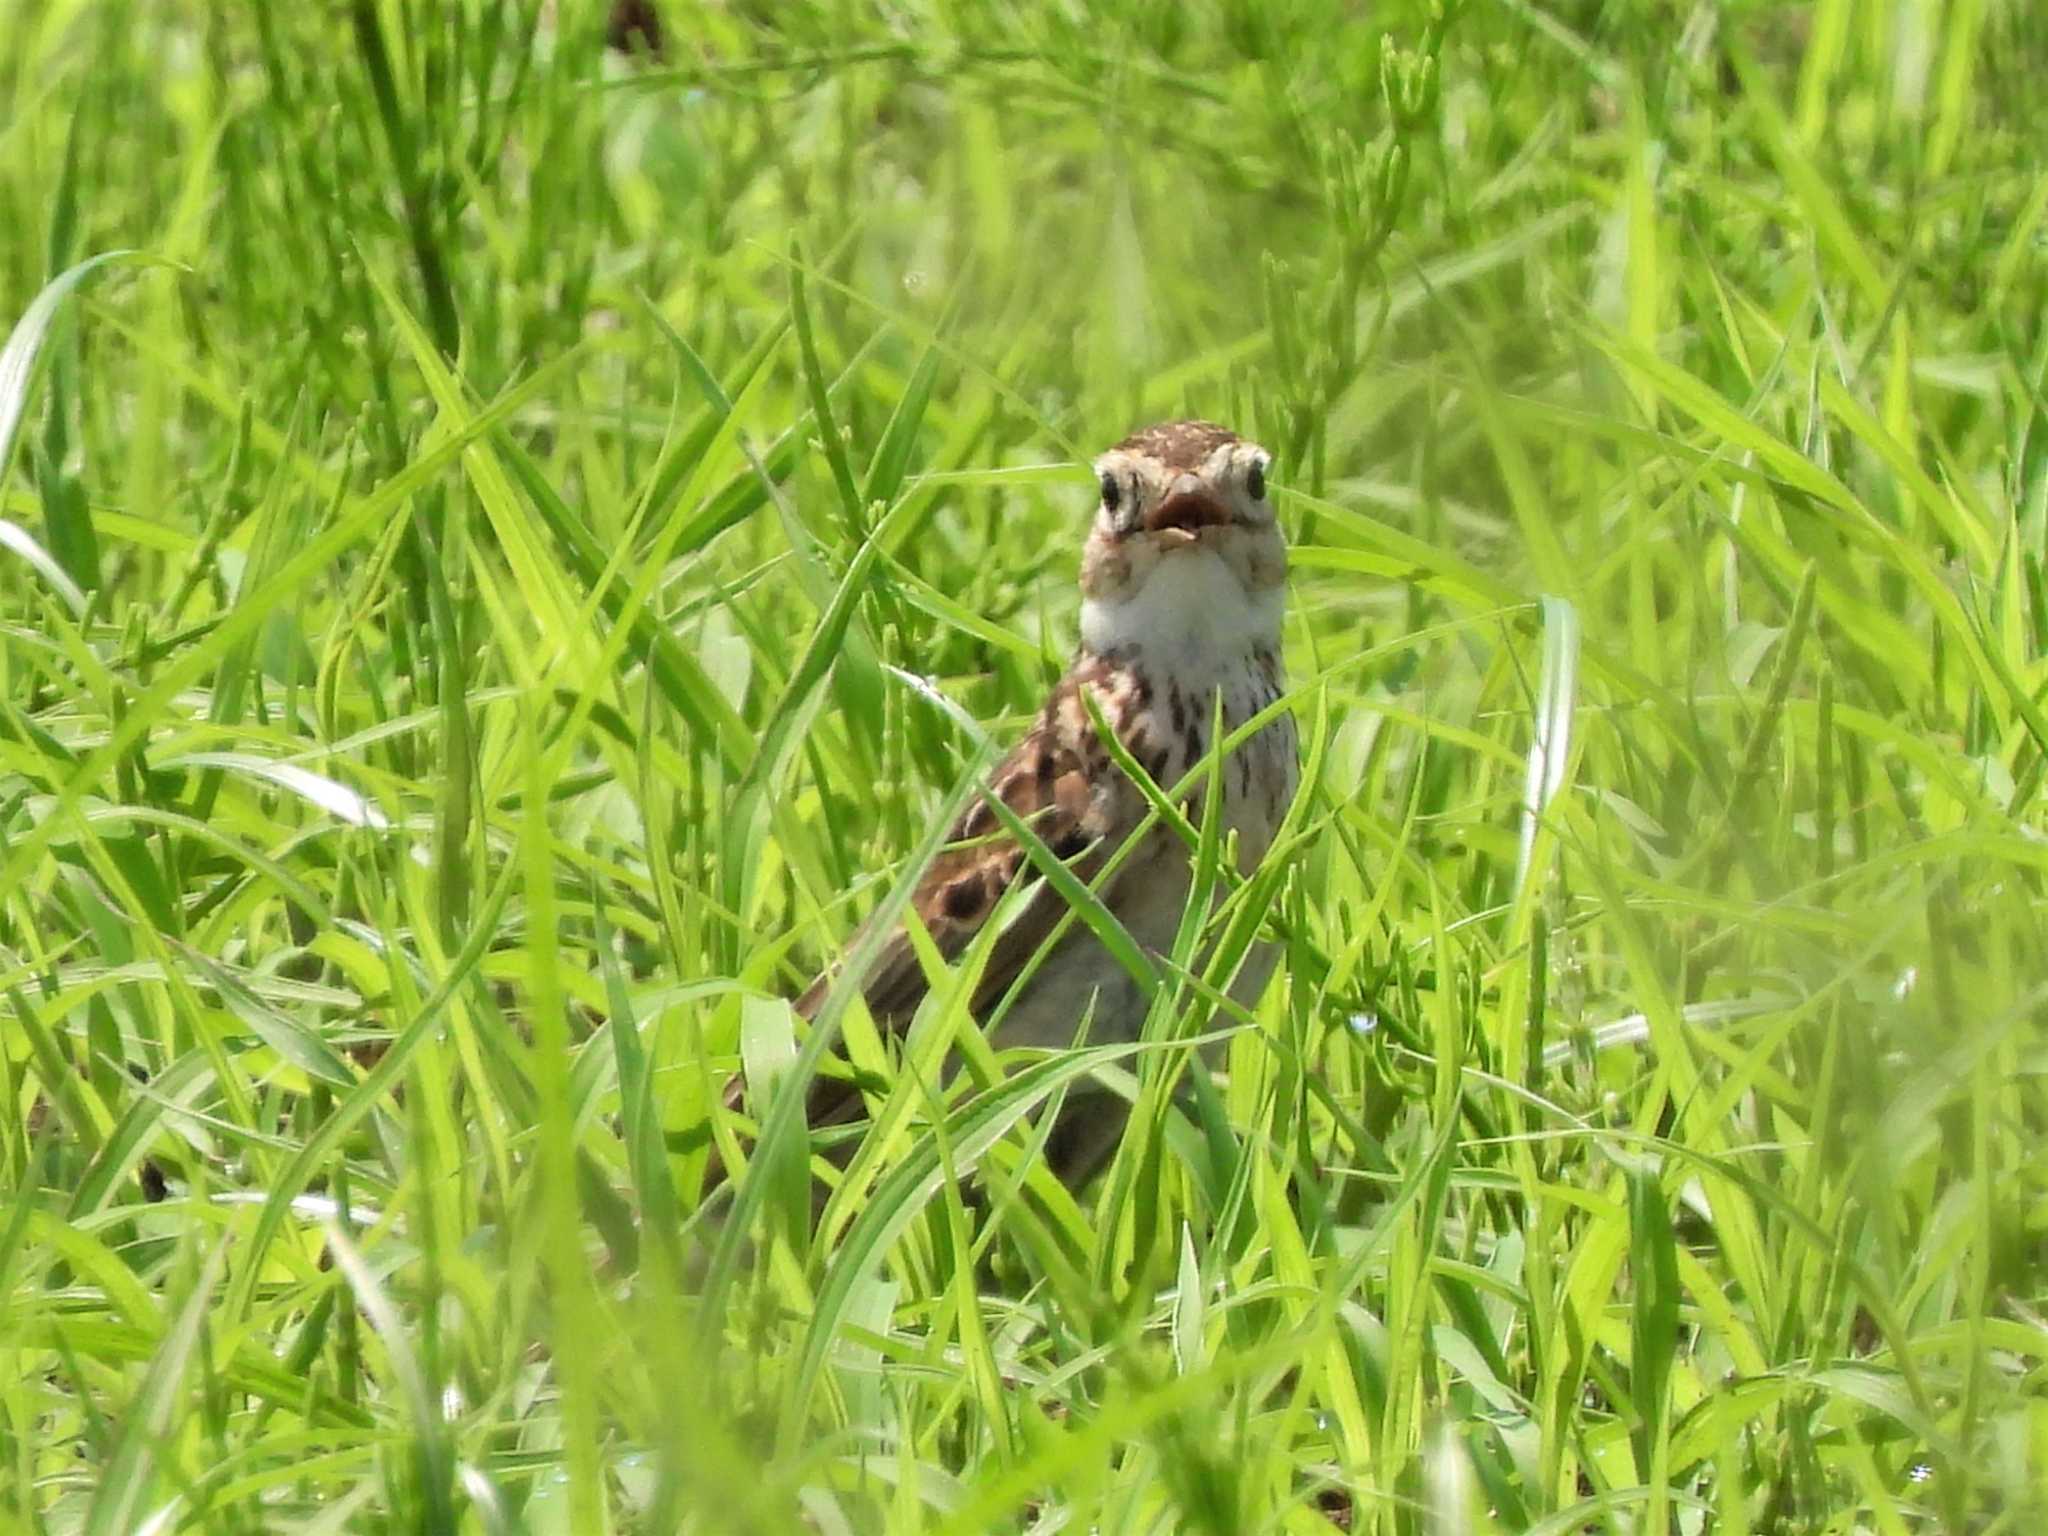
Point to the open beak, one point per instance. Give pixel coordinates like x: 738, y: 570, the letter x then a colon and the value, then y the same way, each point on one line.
x: 1185, y: 510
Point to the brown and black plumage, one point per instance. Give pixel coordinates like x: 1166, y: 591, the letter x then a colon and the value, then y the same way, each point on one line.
x: 1181, y: 584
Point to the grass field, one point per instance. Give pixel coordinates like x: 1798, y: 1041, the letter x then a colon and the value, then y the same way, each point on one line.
x: 516, y: 560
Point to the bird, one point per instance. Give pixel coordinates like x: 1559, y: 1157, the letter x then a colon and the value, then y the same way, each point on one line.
x: 1183, y: 575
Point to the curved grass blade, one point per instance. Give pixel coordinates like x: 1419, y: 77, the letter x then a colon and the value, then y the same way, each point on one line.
x: 128, y: 1478
x: 788, y: 1104
x: 335, y: 798
x: 1557, y: 690
x: 23, y: 543
x: 17, y: 374
x: 25, y: 343
x: 901, y: 1198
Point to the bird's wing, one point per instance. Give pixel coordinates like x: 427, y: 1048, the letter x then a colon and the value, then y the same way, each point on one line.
x: 1061, y: 782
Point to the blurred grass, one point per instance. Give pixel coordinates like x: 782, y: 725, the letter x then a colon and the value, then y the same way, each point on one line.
x: 483, y: 626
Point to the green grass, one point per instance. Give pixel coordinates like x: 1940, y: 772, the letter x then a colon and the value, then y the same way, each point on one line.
x: 514, y: 569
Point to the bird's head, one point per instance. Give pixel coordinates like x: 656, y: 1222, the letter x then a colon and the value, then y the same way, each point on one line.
x: 1184, y: 530
x: 1171, y: 485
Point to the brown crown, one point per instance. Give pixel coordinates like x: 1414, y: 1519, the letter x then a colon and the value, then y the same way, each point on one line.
x: 1178, y: 444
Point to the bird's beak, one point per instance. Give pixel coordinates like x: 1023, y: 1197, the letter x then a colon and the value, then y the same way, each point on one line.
x: 1185, y: 510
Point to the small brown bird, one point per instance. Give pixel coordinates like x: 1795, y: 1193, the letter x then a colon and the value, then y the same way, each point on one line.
x: 1182, y: 583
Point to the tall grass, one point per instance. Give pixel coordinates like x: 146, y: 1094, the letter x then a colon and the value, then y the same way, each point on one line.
x: 516, y: 565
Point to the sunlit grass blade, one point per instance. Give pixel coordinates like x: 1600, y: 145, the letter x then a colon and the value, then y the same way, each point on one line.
x: 122, y: 1496
x: 1550, y: 745
x: 24, y: 344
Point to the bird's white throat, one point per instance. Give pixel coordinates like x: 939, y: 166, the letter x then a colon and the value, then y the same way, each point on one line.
x: 1191, y: 614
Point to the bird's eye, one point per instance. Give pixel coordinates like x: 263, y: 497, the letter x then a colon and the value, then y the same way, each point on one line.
x: 1255, y: 482
x: 1111, y: 491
